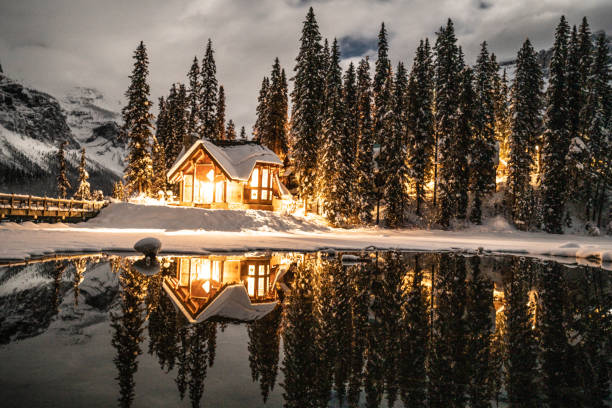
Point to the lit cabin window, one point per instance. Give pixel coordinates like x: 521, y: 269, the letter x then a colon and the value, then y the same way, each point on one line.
x: 264, y: 178
x: 255, y: 178
x: 264, y: 194
x: 188, y: 188
x: 211, y: 175
x: 254, y: 194
x: 261, y: 284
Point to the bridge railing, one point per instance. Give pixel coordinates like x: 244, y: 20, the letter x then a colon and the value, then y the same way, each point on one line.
x: 30, y: 202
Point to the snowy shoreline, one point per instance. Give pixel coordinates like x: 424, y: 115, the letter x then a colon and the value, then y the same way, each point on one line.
x: 197, y: 231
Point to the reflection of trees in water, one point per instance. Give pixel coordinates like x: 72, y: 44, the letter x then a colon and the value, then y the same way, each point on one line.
x: 447, y: 365
x: 264, y: 339
x: 80, y: 265
x: 128, y: 326
x: 300, y: 354
x: 58, y: 273
x: 190, y: 348
x: 360, y: 281
x: 414, y: 324
x: 557, y: 356
x: 479, y: 326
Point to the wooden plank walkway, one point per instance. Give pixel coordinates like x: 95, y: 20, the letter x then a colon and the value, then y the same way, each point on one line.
x: 24, y: 207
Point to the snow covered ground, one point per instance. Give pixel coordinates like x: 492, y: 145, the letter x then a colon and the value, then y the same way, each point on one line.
x: 191, y: 230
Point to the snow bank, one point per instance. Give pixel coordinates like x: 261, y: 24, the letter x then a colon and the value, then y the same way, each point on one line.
x: 169, y: 218
x: 199, y: 231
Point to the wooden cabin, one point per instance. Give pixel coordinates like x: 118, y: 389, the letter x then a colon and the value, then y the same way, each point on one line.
x: 197, y: 281
x: 229, y: 174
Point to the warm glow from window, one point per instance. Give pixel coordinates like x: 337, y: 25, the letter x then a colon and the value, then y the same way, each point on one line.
x: 251, y: 269
x: 264, y: 178
x: 264, y: 195
x: 211, y: 175
x: 219, y: 187
x: 255, y: 178
x: 188, y: 188
x: 206, y: 286
x: 253, y: 194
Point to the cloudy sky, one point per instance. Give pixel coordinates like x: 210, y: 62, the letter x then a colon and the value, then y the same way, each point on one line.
x: 57, y: 44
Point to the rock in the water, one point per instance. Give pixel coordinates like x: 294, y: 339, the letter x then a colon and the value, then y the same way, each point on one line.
x: 148, y: 246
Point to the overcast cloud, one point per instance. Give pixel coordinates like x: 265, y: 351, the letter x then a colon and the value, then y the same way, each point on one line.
x: 57, y: 44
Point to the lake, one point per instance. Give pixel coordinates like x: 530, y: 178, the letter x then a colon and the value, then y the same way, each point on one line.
x: 272, y: 329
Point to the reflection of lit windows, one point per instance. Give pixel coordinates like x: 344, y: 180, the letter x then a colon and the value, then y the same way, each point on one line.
x: 216, y: 271
x: 264, y: 194
x: 251, y: 281
x: 261, y: 285
x: 184, y: 272
x: 253, y: 194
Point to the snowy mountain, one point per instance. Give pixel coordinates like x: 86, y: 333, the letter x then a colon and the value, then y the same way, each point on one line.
x: 32, y: 123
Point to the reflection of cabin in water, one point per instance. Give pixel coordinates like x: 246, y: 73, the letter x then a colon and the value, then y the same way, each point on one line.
x: 229, y: 174
x: 197, y: 281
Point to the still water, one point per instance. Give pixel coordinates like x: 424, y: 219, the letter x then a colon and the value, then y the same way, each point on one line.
x: 304, y: 330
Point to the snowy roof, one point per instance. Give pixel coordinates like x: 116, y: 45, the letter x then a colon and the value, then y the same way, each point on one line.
x: 232, y: 303
x: 236, y: 160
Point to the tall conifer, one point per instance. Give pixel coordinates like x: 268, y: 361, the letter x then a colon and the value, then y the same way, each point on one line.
x: 420, y: 121
x: 83, y: 191
x: 483, y: 151
x: 62, y: 181
x: 195, y: 88
x: 208, y: 95
x: 448, y: 64
x: 307, y: 99
x: 221, y: 114
x: 556, y: 136
x: 526, y: 125
x: 137, y: 125
x: 364, y: 157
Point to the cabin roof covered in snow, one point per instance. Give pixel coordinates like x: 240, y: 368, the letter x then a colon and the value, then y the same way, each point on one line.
x: 236, y: 160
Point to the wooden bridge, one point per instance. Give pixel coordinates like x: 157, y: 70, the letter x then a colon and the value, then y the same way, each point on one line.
x: 24, y: 207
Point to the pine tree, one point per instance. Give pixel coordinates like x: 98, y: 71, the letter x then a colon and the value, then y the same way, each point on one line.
x: 62, y: 181
x: 334, y: 191
x: 364, y: 156
x: 194, y: 97
x: 119, y: 190
x: 349, y: 149
x: 83, y: 191
x: 460, y: 180
x: 447, y: 67
x: 277, y: 105
x: 260, y: 127
x: 526, y: 125
x: 502, y: 117
x: 137, y: 126
x: 395, y: 169
x: 381, y: 95
x: 230, y: 131
x: 598, y: 124
x: 208, y: 95
x: 221, y: 115
x: 556, y: 136
x: 243, y: 135
x: 159, y: 168
x: 307, y: 99
x: 175, y: 137
x: 420, y: 121
x: 483, y: 152
x: 163, y: 122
